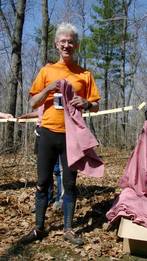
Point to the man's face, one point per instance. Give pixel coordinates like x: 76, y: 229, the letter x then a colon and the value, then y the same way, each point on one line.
x: 66, y: 45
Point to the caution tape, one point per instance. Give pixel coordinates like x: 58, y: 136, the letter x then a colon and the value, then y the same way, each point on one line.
x: 86, y: 114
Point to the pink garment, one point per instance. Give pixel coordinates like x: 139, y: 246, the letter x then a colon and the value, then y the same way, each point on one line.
x: 80, y: 142
x: 132, y: 202
x: 40, y: 114
x: 135, y: 175
x: 131, y: 206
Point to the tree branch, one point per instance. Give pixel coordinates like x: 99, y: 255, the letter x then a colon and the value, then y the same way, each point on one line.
x: 52, y: 10
x: 13, y: 6
x: 6, y: 25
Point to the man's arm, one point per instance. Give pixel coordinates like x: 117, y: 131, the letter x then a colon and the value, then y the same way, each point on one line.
x: 92, y: 106
x: 33, y: 114
x: 79, y: 102
x: 5, y: 115
x: 39, y: 98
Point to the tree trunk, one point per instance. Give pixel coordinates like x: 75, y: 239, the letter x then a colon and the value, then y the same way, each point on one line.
x: 19, y: 110
x: 123, y: 62
x: 106, y: 130
x: 123, y: 72
x: 45, y: 26
x: 15, y: 81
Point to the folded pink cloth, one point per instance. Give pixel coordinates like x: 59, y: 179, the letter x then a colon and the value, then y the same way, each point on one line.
x: 129, y: 205
x: 132, y: 202
x: 80, y: 142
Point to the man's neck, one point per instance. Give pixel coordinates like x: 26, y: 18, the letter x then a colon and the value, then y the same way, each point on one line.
x: 67, y: 62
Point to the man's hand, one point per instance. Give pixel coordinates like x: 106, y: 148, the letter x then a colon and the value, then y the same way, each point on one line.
x: 9, y: 116
x: 79, y: 102
x: 54, y: 86
x: 6, y: 115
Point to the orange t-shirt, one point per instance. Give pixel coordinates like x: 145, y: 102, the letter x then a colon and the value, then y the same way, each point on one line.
x: 81, y: 80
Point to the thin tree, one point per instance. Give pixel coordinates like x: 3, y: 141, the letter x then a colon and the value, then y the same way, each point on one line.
x: 124, y: 39
x: 15, y: 37
x: 45, y: 26
x: 103, y: 48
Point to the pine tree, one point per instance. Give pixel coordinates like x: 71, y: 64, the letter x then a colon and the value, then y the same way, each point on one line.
x: 107, y: 49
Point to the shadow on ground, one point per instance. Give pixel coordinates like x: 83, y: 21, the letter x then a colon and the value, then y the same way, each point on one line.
x: 90, y: 191
x: 19, y: 251
x: 17, y: 185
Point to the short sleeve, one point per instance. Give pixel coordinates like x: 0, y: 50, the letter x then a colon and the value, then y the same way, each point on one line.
x: 39, y: 83
x: 93, y: 93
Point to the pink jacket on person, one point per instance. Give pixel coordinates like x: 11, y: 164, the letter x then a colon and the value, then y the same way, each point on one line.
x: 80, y: 142
x: 132, y: 201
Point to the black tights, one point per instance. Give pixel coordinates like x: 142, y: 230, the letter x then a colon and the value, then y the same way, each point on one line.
x: 51, y: 145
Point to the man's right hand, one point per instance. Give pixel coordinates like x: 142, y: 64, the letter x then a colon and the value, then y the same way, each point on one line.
x: 39, y: 98
x: 55, y: 86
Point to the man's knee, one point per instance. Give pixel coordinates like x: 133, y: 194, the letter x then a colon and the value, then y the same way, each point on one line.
x: 42, y: 188
x: 70, y: 188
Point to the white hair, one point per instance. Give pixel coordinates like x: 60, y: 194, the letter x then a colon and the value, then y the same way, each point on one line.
x: 66, y: 28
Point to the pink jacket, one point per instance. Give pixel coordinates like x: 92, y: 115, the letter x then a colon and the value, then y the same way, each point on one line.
x: 80, y: 142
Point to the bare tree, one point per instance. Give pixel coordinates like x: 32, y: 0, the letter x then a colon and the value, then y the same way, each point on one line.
x: 15, y: 36
x: 81, y: 5
x: 125, y: 5
x: 45, y: 26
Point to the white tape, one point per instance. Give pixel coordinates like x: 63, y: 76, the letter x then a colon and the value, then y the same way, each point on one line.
x: 141, y: 105
x: 87, y: 114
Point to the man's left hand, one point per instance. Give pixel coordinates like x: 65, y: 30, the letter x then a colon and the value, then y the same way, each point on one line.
x: 79, y: 102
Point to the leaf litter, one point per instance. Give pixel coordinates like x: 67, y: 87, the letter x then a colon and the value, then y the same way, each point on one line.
x: 95, y: 197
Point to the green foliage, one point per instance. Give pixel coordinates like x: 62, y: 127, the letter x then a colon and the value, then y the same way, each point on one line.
x: 102, y: 46
x: 104, y: 43
x: 104, y: 32
x: 52, y: 55
x: 108, y: 47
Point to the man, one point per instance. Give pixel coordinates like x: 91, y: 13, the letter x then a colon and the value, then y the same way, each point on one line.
x: 45, y: 90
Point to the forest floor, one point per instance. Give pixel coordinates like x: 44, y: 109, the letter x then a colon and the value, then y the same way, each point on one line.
x: 17, y: 186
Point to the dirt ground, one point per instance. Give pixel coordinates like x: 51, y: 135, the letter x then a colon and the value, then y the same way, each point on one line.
x: 17, y: 186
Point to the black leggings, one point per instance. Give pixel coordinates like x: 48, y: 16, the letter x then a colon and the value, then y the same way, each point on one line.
x: 51, y: 145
